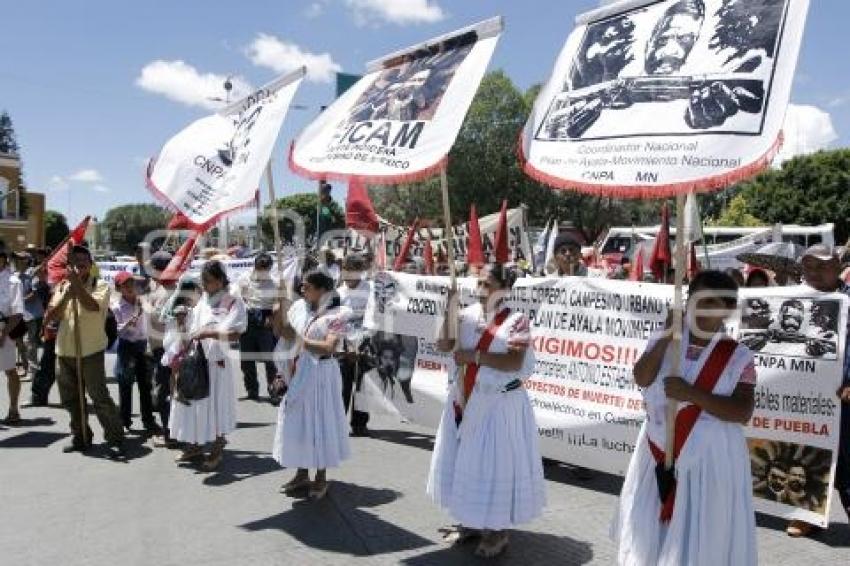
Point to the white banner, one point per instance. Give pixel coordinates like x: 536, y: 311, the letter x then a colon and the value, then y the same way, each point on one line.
x: 587, y: 335
x: 400, y: 120
x: 214, y: 166
x: 518, y: 242
x: 235, y: 268
x: 651, y: 98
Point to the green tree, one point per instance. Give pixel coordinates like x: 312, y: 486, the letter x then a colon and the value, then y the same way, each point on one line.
x: 55, y: 228
x: 736, y: 214
x: 808, y: 190
x: 484, y: 169
x: 8, y: 139
x: 128, y: 225
x: 303, y: 205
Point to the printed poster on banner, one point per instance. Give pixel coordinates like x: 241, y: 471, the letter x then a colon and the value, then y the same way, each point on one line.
x: 401, y: 119
x: 214, y: 166
x: 650, y: 98
x: 798, y: 337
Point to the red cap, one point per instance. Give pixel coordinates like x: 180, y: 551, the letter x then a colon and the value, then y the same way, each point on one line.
x: 122, y: 278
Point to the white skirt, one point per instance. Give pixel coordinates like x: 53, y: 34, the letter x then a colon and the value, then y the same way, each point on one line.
x: 312, y: 429
x: 713, y: 521
x: 8, y: 355
x: 490, y: 475
x: 205, y: 420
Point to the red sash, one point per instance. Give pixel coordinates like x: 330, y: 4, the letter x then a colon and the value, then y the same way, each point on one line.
x: 471, y: 373
x: 687, y: 417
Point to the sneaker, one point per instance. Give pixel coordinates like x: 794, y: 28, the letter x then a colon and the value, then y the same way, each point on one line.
x: 797, y: 529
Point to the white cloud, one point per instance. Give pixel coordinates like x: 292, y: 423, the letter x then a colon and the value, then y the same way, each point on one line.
x: 101, y: 189
x: 86, y: 176
x: 315, y: 9
x: 807, y: 129
x: 183, y: 83
x: 838, y: 101
x: 395, y: 11
x: 283, y: 57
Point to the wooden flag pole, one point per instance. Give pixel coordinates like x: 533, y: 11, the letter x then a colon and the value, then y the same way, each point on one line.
x: 278, y: 246
x: 676, y: 344
x: 447, y: 221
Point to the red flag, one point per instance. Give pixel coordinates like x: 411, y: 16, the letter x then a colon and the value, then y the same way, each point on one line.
x: 181, y: 260
x: 359, y: 212
x: 381, y: 252
x: 57, y: 263
x: 429, y: 258
x: 694, y: 266
x: 637, y: 268
x: 179, y: 222
x: 405, y: 248
x: 475, y: 253
x: 500, y: 247
x: 661, y: 256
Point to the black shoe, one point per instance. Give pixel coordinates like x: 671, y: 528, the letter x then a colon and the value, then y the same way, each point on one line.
x: 115, y: 450
x: 76, y: 445
x: 361, y: 432
x: 253, y: 395
x: 275, y: 399
x: 153, y: 429
x: 36, y: 402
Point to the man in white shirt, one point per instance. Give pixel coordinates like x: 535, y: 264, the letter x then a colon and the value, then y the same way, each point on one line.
x: 353, y: 295
x: 260, y: 292
x: 11, y: 313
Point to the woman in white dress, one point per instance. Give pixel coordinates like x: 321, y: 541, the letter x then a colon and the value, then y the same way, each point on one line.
x: 11, y: 314
x: 706, y: 517
x: 312, y: 431
x: 486, y: 470
x: 217, y: 320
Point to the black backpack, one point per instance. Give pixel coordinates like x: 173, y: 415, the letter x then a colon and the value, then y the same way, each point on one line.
x: 193, y: 375
x: 110, y: 325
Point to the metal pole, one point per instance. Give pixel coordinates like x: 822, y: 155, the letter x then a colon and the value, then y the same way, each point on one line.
x: 676, y: 344
x: 278, y: 247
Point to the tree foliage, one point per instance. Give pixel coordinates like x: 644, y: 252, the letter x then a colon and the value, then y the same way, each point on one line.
x: 735, y: 214
x: 302, y: 205
x: 809, y: 190
x: 130, y: 224
x: 484, y: 169
x: 8, y: 139
x: 55, y: 228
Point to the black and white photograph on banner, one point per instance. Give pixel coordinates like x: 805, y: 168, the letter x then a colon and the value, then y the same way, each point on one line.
x: 413, y: 87
x: 791, y: 474
x: 394, y: 359
x: 690, y: 65
x: 797, y: 327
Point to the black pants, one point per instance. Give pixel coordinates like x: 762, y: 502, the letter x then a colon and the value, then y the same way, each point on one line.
x: 45, y: 377
x: 161, y: 388
x: 256, y: 339
x: 134, y: 366
x: 352, y: 376
x: 842, y: 468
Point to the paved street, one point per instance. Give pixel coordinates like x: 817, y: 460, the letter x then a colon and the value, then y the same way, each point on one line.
x: 84, y: 509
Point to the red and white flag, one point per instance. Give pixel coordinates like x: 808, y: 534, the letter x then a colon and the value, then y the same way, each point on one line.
x: 57, y: 263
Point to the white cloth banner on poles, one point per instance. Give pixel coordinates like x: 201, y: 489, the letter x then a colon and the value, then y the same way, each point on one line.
x: 400, y: 120
x: 214, y: 166
x: 653, y: 98
x: 587, y: 335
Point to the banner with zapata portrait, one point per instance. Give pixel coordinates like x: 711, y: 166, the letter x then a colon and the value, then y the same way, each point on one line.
x: 400, y: 120
x: 797, y: 337
x: 213, y: 167
x: 651, y: 98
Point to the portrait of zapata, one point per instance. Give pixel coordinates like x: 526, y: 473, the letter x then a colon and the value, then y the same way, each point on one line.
x: 791, y: 327
x: 792, y: 474
x: 412, y: 87
x: 707, y: 63
x: 393, y: 356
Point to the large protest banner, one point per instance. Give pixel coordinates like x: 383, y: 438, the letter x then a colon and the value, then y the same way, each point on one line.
x: 213, y: 167
x: 651, y: 98
x: 400, y: 120
x: 518, y: 242
x: 587, y: 335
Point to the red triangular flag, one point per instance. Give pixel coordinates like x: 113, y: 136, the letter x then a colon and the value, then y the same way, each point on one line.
x: 637, y: 268
x: 429, y: 257
x: 179, y: 222
x: 181, y: 260
x: 694, y: 266
x: 501, y: 250
x: 475, y: 251
x: 57, y: 263
x: 405, y: 248
x: 359, y: 212
x: 661, y: 256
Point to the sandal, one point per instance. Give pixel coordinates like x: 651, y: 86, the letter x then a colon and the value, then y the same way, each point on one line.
x: 492, y: 545
x: 189, y: 455
x: 12, y: 419
x: 295, y: 484
x: 212, y: 462
x: 458, y: 534
x: 317, y: 490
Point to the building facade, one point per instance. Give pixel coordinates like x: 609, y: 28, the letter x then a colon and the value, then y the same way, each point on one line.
x: 21, y: 213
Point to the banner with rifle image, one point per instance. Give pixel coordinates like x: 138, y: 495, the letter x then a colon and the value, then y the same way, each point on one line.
x: 648, y: 97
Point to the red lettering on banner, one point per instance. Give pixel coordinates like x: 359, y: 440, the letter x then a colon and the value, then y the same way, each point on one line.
x: 801, y: 427
x: 603, y: 398
x: 582, y: 350
x: 428, y: 364
x: 760, y: 422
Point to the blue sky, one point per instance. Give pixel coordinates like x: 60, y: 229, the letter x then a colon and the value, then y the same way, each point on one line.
x: 95, y: 88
